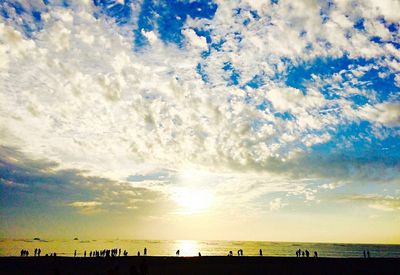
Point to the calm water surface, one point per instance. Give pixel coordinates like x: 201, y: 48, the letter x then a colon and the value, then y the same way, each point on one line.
x: 192, y: 248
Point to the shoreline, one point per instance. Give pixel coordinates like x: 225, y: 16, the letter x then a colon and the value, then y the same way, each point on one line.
x: 197, y: 265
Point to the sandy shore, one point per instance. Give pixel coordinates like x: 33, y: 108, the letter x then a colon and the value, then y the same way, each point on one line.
x: 197, y: 265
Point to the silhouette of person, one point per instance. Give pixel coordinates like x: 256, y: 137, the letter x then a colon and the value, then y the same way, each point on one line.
x: 315, y: 254
x: 75, y: 253
x: 307, y: 253
x: 138, y: 253
x: 145, y: 251
x: 177, y: 252
x: 199, y: 254
x: 119, y: 252
x: 260, y: 252
x: 39, y: 250
x: 368, y: 255
x: 35, y: 252
x: 84, y: 254
x: 302, y: 253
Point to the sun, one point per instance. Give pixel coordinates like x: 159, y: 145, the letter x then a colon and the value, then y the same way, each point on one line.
x: 193, y: 200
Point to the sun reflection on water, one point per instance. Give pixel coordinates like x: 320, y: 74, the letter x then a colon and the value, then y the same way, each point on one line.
x: 188, y: 247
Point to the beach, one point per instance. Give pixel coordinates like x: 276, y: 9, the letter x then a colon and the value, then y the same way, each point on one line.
x: 197, y: 265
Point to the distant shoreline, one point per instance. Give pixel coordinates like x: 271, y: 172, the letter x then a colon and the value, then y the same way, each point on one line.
x: 197, y: 265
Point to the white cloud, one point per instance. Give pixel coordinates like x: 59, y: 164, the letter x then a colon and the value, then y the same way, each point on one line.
x: 385, y: 113
x: 276, y: 204
x: 397, y: 80
x: 150, y: 35
x: 377, y: 201
x: 309, y: 141
x: 85, y: 204
x: 195, y: 40
x: 87, y: 207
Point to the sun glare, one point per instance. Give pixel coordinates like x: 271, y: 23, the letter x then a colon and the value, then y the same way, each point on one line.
x: 188, y: 247
x: 193, y: 200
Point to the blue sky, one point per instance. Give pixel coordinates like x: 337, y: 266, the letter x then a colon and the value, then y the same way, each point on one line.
x: 289, y: 109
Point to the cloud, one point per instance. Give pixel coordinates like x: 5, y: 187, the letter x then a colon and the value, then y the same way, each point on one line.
x: 85, y: 203
x: 384, y: 113
x: 377, y: 201
x: 195, y: 40
x: 24, y: 180
x: 86, y: 207
x: 150, y: 35
x: 79, y: 94
x: 276, y: 204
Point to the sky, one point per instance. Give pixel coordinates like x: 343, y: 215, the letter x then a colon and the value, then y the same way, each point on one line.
x: 193, y: 119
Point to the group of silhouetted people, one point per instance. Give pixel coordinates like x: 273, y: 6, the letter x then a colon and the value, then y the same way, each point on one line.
x: 144, y: 252
x: 115, y: 252
x: 36, y: 253
x: 366, y: 254
x: 239, y: 252
x: 24, y: 253
x: 305, y: 253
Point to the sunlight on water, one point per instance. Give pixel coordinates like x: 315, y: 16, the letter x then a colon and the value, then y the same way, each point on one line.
x: 192, y: 247
x: 188, y: 247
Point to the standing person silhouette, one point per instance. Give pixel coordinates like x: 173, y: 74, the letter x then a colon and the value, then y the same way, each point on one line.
x: 75, y: 253
x: 260, y: 252
x: 145, y: 251
x: 177, y: 252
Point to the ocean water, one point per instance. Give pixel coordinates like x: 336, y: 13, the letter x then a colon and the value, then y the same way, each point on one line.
x: 192, y: 248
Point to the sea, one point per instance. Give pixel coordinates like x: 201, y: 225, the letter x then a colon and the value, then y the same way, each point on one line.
x: 13, y: 247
